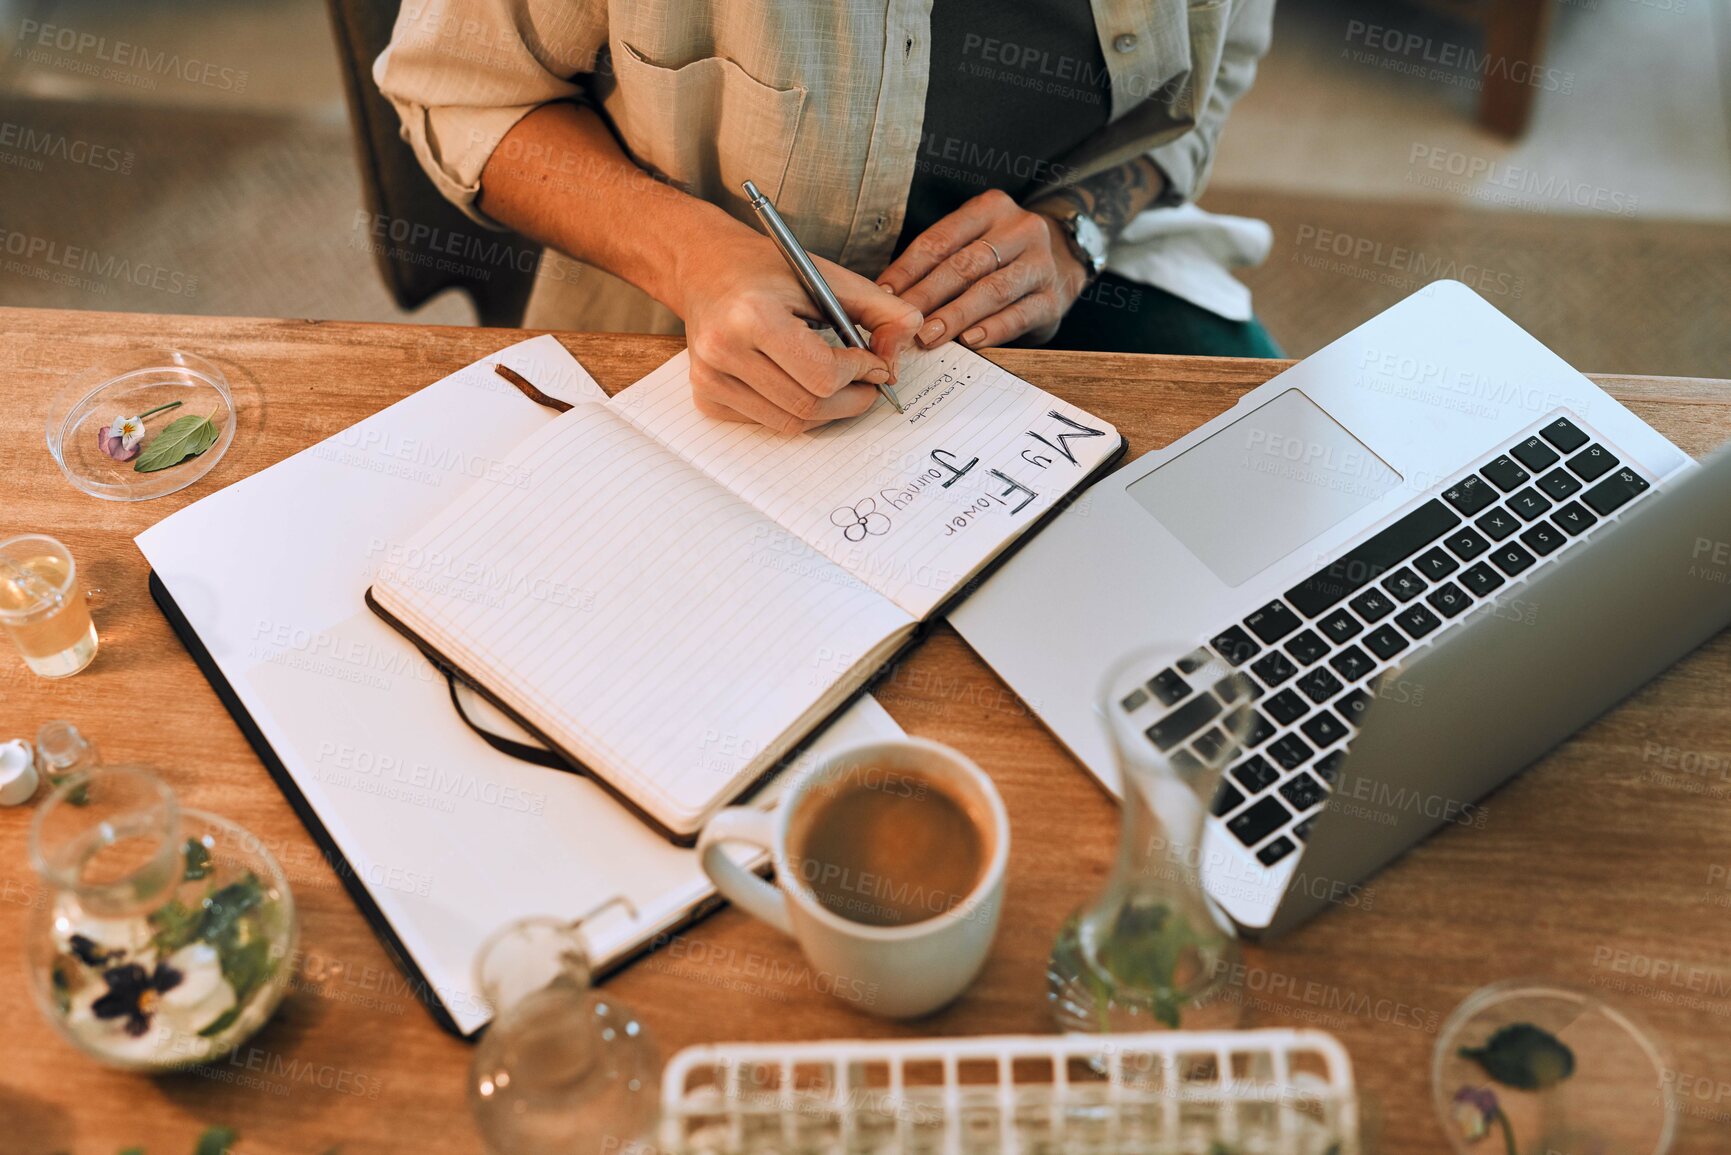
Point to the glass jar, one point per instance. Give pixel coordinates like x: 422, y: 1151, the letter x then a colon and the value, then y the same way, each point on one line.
x: 169, y: 934
x: 561, y: 1069
x: 1152, y: 949
x: 62, y: 751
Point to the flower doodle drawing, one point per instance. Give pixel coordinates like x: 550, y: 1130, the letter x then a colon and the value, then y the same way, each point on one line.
x: 856, y: 521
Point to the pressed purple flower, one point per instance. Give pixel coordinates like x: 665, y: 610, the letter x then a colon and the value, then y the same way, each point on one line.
x: 133, y: 993
x: 124, y: 439
x: 1473, y: 1112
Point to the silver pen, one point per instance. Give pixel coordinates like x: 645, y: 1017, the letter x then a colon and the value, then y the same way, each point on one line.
x: 815, y: 286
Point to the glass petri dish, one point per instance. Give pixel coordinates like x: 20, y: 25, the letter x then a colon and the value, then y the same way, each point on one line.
x: 80, y: 414
x: 1618, y: 1100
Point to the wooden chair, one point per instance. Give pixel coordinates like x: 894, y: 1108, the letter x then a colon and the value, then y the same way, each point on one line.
x: 423, y: 243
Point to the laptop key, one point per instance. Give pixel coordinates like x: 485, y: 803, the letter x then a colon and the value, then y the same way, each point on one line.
x: 1404, y: 584
x: 1255, y: 774
x: 1564, y: 434
x: 1592, y: 463
x: 1192, y: 661
x: 1529, y: 503
x: 1272, y: 622
x: 1306, y: 647
x: 1227, y: 799
x: 1436, y: 564
x: 1353, y: 705
x: 1326, y: 766
x: 1184, y: 721
x: 1186, y: 763
x: 1319, y: 685
x: 1505, y: 473
x: 1573, y: 518
x: 1302, y: 830
x: 1274, y: 668
x: 1467, y: 543
x: 1369, y: 560
x: 1290, y: 751
x: 1481, y: 579
x: 1210, y: 744
x: 1498, y: 524
x: 1258, y: 730
x: 1135, y: 700
x: 1385, y: 642
x: 1339, y: 626
x: 1544, y: 538
x: 1286, y: 707
x: 1535, y: 454
x: 1303, y: 791
x: 1168, y: 687
x: 1258, y: 820
x: 1373, y: 605
x: 1448, y: 600
x: 1559, y: 483
x: 1470, y: 496
x: 1276, y: 850
x: 1417, y: 621
x: 1615, y: 491
x: 1512, y: 559
x: 1324, y: 728
x: 1235, y: 646
x: 1352, y: 663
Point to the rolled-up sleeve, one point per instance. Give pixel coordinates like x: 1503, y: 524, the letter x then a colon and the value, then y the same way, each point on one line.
x: 462, y: 73
x: 1187, y: 160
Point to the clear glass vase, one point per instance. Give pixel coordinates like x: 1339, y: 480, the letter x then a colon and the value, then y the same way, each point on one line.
x: 562, y: 1069
x: 169, y: 934
x: 1152, y: 949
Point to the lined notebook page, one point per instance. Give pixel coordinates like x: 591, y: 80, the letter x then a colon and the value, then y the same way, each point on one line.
x: 913, y: 503
x: 636, y: 611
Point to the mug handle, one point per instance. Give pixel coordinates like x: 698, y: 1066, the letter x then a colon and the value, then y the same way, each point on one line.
x: 738, y: 885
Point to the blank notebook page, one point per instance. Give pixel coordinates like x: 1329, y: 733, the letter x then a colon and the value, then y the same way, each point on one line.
x: 634, y: 610
x: 914, y: 503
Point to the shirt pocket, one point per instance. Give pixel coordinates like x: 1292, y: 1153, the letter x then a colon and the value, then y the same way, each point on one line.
x: 708, y: 126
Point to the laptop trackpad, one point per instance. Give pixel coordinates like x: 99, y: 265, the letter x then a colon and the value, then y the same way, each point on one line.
x: 1264, y: 486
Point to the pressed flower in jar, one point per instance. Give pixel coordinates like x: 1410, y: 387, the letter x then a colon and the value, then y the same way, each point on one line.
x: 170, y: 934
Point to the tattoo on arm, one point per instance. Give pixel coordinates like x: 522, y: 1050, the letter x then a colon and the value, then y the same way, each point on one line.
x: 1111, y: 197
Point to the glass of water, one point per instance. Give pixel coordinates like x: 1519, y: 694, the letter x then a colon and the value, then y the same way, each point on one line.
x: 42, y: 606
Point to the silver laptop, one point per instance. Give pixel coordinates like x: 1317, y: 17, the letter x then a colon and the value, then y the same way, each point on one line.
x: 1429, y: 544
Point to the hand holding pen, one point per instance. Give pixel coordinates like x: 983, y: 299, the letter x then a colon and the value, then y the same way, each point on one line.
x: 754, y: 357
x: 815, y: 286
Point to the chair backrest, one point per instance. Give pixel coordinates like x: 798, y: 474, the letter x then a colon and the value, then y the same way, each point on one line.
x: 422, y: 242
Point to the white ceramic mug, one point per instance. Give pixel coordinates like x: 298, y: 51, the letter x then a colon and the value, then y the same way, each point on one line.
x: 900, y: 971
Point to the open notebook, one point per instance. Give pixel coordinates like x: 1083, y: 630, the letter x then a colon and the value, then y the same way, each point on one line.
x: 672, y: 603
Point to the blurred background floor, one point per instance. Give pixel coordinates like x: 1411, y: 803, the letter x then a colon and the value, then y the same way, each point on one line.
x: 1605, y: 231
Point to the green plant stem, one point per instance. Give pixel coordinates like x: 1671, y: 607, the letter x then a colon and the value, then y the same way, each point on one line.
x: 1508, y: 1132
x: 158, y: 409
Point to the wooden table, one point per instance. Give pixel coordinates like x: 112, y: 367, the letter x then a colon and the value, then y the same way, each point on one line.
x: 1607, y: 864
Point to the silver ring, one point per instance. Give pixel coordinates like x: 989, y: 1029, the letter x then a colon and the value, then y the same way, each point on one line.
x: 995, y: 256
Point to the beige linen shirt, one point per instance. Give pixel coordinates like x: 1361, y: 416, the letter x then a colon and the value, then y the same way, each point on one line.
x: 821, y: 102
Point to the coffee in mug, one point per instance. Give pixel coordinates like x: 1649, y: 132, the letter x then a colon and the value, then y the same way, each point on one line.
x: 886, y: 847
x: 889, y: 864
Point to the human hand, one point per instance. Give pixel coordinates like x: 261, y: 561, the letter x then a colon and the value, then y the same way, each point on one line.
x: 989, y: 273
x: 753, y: 358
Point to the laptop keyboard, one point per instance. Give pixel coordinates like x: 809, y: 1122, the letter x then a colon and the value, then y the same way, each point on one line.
x: 1315, y: 655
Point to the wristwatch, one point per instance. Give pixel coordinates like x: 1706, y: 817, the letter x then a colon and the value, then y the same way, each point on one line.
x: 1087, y: 241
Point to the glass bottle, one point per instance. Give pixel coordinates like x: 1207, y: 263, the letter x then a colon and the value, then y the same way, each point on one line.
x: 169, y: 933
x: 562, y: 1069
x: 62, y: 751
x: 1152, y: 949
